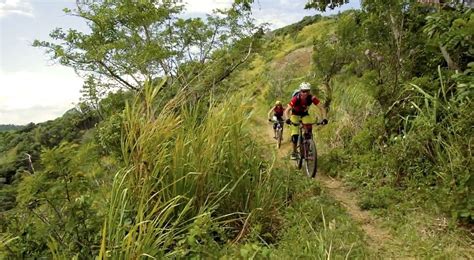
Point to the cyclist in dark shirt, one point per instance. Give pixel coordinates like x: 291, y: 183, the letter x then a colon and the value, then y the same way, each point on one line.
x: 276, y: 115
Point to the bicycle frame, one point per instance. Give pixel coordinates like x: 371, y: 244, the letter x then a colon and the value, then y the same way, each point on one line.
x: 279, y: 131
x: 301, y: 132
x: 306, y: 148
x: 279, y: 124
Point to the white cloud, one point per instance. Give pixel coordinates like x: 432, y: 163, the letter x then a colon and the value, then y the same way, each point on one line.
x: 275, y: 20
x: 36, y: 114
x: 37, y: 96
x: 278, y: 13
x: 20, y: 7
x: 280, y: 16
x: 290, y: 4
x: 286, y: 12
x: 206, y: 6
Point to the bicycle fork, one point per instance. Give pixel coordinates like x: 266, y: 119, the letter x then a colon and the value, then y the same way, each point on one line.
x: 304, y: 148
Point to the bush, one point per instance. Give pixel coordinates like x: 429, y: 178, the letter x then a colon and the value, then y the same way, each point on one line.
x: 378, y: 198
x: 108, y: 135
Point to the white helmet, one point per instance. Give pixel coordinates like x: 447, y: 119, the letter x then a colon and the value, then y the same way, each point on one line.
x: 305, y: 86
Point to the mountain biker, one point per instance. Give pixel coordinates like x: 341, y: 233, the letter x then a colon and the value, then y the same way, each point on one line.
x: 299, y: 106
x: 277, y: 111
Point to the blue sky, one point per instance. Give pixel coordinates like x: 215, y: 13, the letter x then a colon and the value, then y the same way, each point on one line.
x: 35, y: 89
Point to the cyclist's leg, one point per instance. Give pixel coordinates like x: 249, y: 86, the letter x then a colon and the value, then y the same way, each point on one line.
x: 279, y: 122
x: 306, y: 119
x: 274, y: 126
x: 294, y: 131
x: 310, y: 154
x: 308, y: 128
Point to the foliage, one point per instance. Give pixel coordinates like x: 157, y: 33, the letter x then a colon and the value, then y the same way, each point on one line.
x: 293, y: 29
x: 9, y: 127
x: 321, y: 5
x: 176, y: 170
x: 130, y: 42
x: 108, y: 135
x: 58, y: 201
x: 403, y: 118
x: 184, y: 179
x: 317, y: 227
x: 453, y: 32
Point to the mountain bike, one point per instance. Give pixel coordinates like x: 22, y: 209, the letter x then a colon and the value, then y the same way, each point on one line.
x: 306, y: 149
x: 278, y: 130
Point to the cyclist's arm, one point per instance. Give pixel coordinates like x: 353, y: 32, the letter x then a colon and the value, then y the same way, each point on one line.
x: 287, y: 111
x: 270, y: 113
x: 290, y: 106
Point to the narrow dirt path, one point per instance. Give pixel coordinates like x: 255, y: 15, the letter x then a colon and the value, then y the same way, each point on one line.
x: 377, y: 237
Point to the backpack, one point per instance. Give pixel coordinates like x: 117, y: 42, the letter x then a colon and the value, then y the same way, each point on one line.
x: 298, y: 99
x: 295, y: 92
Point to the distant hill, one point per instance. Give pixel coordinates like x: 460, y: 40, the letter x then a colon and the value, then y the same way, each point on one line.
x: 4, y: 128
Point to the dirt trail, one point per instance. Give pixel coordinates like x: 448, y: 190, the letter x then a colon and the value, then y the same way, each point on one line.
x: 378, y: 238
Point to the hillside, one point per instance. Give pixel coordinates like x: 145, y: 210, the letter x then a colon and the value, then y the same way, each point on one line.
x: 9, y: 127
x: 395, y: 212
x: 186, y: 166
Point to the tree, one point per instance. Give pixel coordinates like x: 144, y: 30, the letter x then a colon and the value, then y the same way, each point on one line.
x: 56, y: 206
x: 328, y: 59
x: 321, y: 5
x: 133, y: 41
x: 391, y: 15
x: 452, y: 31
x: 331, y: 54
x: 91, y: 96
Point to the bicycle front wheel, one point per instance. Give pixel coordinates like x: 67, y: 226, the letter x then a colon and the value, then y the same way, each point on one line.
x: 299, y: 160
x: 279, y: 136
x: 311, y: 158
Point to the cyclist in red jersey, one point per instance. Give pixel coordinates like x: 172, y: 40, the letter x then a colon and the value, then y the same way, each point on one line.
x: 277, y: 113
x: 299, y: 106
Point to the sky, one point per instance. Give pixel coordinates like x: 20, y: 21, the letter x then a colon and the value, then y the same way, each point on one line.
x: 35, y: 89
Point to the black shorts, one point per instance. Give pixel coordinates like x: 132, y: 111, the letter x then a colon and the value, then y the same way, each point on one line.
x: 305, y: 113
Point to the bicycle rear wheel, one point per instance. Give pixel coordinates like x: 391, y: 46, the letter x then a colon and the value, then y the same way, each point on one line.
x: 311, y: 158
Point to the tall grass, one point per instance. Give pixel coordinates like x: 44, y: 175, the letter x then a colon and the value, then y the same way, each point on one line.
x: 5, y: 239
x: 318, y: 228
x: 193, y: 178
x: 444, y: 121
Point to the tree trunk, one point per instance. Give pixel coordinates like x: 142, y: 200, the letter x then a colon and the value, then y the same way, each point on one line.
x: 451, y: 64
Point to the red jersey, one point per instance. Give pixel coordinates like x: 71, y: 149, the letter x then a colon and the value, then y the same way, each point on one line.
x: 300, y: 106
x: 278, y: 110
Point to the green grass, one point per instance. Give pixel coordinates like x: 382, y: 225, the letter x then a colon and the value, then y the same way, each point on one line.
x: 408, y: 212
x: 317, y: 30
x: 192, y: 179
x: 199, y: 181
x: 315, y: 225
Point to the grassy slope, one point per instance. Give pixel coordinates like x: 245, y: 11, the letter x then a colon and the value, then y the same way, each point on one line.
x: 310, y: 227
x: 314, y: 223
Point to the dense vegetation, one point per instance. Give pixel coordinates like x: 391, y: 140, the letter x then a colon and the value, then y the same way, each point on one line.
x: 169, y: 165
x: 9, y: 127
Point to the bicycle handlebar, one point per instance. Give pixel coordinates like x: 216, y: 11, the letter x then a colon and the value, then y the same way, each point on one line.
x: 277, y: 121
